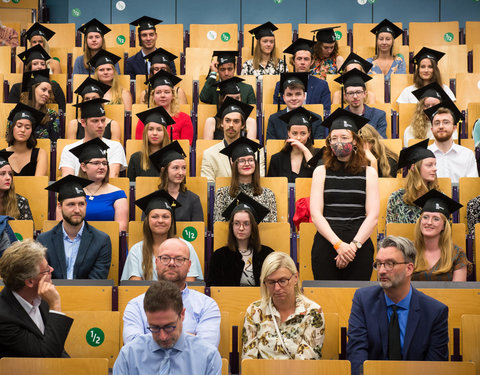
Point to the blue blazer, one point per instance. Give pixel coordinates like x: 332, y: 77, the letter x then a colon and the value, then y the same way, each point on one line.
x: 93, y: 258
x: 136, y: 65
x: 377, y: 118
x: 426, y: 334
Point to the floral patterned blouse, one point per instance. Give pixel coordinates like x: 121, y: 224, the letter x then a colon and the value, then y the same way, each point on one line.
x: 223, y: 200
x: 324, y: 67
x: 400, y: 212
x: 303, y: 332
x: 459, y: 261
x: 270, y: 69
x: 473, y: 214
x: 24, y: 208
x: 398, y: 67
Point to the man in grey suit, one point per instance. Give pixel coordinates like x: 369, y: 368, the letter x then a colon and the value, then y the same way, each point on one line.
x: 75, y: 249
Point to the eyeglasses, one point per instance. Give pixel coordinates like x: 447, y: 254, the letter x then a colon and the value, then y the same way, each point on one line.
x: 97, y: 163
x: 47, y: 271
x: 389, y: 264
x: 282, y: 282
x: 353, y: 93
x: 246, y: 161
x: 238, y: 224
x: 167, y: 329
x: 343, y: 140
x: 165, y: 260
x: 444, y: 123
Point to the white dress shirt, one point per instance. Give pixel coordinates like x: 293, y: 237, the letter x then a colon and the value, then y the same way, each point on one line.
x: 457, y: 162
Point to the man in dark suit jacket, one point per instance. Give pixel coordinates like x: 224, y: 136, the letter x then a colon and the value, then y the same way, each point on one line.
x: 31, y: 324
x: 76, y: 250
x: 395, y: 321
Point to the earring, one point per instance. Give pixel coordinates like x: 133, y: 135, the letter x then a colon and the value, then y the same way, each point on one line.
x: 355, y: 148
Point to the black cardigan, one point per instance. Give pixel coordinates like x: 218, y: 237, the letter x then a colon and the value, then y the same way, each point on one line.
x: 226, y: 266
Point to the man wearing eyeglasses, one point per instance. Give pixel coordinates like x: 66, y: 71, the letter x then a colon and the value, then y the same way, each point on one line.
x: 31, y: 322
x: 394, y: 321
x: 202, y: 315
x: 167, y: 348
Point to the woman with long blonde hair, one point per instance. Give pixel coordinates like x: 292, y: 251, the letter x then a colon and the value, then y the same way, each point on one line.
x: 386, y: 159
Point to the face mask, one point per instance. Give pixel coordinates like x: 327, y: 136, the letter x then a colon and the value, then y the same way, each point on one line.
x: 341, y: 149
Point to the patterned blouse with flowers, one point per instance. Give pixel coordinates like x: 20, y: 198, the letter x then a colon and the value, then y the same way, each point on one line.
x: 50, y: 130
x: 303, y: 332
x: 473, y: 214
x: 398, y: 67
x: 270, y: 69
x: 324, y: 67
x: 400, y: 212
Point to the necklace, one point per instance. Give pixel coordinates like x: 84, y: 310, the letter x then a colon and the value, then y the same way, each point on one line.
x: 91, y: 196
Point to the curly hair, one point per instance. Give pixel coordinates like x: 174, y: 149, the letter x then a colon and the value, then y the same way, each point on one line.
x: 357, y: 162
x: 381, y: 152
x: 317, y: 52
x: 420, y: 121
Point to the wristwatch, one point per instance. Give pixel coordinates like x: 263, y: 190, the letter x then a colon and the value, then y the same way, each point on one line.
x: 358, y: 244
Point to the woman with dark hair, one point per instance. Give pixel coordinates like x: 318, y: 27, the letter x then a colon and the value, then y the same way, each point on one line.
x: 245, y: 178
x: 344, y: 203
x: 26, y: 158
x: 291, y: 161
x: 159, y: 225
x: 325, y: 52
x: 38, y: 34
x: 438, y: 258
x: 385, y: 62
x: 240, y: 262
x: 426, y: 72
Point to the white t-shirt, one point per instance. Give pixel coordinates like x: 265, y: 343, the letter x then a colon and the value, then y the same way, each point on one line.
x: 407, y: 97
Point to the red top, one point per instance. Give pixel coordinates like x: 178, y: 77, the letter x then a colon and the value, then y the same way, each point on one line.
x: 182, y: 129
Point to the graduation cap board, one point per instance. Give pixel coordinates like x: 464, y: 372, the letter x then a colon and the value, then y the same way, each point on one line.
x: 94, y: 148
x: 299, y: 116
x: 23, y: 111
x: 414, y: 153
x: 316, y: 159
x: 103, y: 57
x: 69, y: 186
x: 224, y: 57
x: 326, y: 34
x: 244, y: 202
x: 146, y: 23
x: 161, y: 78
x: 167, y: 154
x: 353, y: 77
x: 90, y: 85
x: 159, y: 199
x: 293, y: 78
x: 35, y: 53
x: 229, y: 86
x: 160, y: 56
x: 448, y: 104
x: 241, y: 147
x: 33, y: 77
x: 261, y: 31
x: 343, y: 119
x: 427, y: 53
x: 92, y: 108
x: 94, y: 25
x: 353, y: 58
x: 432, y: 90
x: 4, y: 155
x: 435, y: 201
x: 387, y: 27
x: 158, y: 115
x: 300, y: 45
x: 38, y: 29
x: 230, y: 105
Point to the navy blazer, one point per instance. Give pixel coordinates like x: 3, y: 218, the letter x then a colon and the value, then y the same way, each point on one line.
x: 277, y: 129
x: 317, y: 93
x: 93, y: 258
x: 426, y: 334
x: 136, y: 65
x: 377, y: 118
x: 20, y: 336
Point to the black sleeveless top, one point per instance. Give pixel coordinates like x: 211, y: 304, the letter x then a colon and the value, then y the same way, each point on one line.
x: 29, y: 168
x: 81, y: 131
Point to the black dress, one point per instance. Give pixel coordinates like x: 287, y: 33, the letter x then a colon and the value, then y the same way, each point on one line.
x: 281, y: 166
x: 29, y: 168
x: 135, y: 168
x: 344, y: 209
x: 81, y: 131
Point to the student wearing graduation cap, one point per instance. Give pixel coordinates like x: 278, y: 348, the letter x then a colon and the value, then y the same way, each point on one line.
x: 155, y: 136
x: 239, y: 262
x: 223, y: 66
x: 27, y: 159
x: 385, y: 61
x: 421, y: 178
x: 317, y: 91
x: 420, y: 126
x: 438, y: 258
x: 453, y: 161
x: 147, y: 40
x: 158, y: 226
x: 293, y: 90
x: 327, y: 59
x: 38, y: 34
x: 88, y: 90
x: 170, y: 162
x: 354, y: 61
x: 105, y: 202
x: 344, y: 203
x: 93, y: 121
x: 355, y: 95
x: 265, y: 60
x: 87, y: 253
x: 213, y: 125
x: 233, y: 115
x: 426, y: 72
x: 104, y: 64
x: 161, y: 89
x: 291, y: 161
x: 245, y: 172
x: 94, y: 40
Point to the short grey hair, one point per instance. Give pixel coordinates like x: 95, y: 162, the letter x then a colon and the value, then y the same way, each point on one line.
x: 402, y: 244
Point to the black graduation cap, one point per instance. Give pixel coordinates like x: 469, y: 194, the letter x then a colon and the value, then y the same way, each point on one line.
x: 299, y: 116
x: 165, y: 155
x: 428, y: 53
x: 156, y: 114
x: 343, y: 119
x: 162, y: 77
x: 266, y: 29
x: 94, y: 148
x: 353, y: 58
x: 35, y: 53
x: 244, y: 202
x: 316, y: 159
x: 447, y: 103
x: 38, y: 29
x: 435, y: 201
x: 230, y: 105
x: 353, y: 77
x: 92, y: 108
x: 160, y: 56
x: 92, y: 85
x: 94, y: 25
x: 300, y: 45
x: 103, y: 57
x: 23, y: 111
x: 69, y: 186
x: 287, y: 79
x: 414, y: 153
x: 145, y: 23
x: 158, y: 199
x: 241, y: 147
x: 224, y: 57
x: 4, y: 155
x: 432, y: 90
x: 387, y: 27
x: 33, y: 77
x: 326, y: 34
x: 229, y: 86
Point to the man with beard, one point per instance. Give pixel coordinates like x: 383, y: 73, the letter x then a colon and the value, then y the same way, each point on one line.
x: 394, y: 321
x: 168, y: 349
x: 453, y: 161
x: 202, y: 315
x: 75, y: 249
